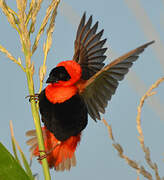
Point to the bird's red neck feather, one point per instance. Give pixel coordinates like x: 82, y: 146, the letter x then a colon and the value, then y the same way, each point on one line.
x: 64, y: 90
x: 59, y: 94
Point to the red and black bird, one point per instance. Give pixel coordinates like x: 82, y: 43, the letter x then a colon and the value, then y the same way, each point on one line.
x: 76, y: 88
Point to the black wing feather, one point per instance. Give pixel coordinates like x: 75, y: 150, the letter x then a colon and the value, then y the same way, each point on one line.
x: 100, y: 88
x: 88, y: 48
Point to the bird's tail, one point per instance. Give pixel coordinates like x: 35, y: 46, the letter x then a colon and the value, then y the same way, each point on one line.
x: 62, y: 157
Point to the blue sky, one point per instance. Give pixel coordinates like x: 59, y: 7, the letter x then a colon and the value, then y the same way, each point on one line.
x: 126, y: 25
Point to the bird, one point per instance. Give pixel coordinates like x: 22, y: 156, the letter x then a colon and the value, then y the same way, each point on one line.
x: 78, y: 88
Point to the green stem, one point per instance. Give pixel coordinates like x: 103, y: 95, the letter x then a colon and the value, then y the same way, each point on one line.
x: 36, y: 117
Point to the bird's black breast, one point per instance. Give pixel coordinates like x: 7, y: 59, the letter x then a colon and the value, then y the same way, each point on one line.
x: 64, y: 119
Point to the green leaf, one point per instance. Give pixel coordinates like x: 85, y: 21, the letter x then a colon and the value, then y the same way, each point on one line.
x: 14, y: 145
x: 26, y: 165
x: 9, y: 167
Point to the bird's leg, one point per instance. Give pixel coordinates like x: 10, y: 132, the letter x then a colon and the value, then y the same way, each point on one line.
x: 34, y: 97
x: 48, y: 152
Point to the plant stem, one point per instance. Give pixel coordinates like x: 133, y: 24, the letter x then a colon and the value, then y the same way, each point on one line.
x: 36, y: 117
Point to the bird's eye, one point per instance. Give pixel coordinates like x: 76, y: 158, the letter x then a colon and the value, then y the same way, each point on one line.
x: 64, y: 76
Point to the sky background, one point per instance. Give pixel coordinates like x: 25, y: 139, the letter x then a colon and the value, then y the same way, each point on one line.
x: 127, y: 24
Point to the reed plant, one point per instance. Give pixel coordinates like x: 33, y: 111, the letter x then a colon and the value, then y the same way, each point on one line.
x: 23, y: 20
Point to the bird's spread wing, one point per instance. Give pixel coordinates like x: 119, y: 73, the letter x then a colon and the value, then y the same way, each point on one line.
x: 88, y: 50
x: 99, y: 89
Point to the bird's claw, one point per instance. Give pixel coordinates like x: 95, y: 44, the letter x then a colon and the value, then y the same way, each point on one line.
x: 41, y: 157
x: 34, y: 97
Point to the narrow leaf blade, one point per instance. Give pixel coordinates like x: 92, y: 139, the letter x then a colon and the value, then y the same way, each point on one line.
x: 24, y: 160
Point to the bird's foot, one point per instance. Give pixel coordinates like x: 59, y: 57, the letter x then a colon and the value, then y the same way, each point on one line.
x: 41, y: 157
x: 34, y: 97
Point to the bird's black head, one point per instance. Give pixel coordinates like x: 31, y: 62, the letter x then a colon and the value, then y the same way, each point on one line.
x: 58, y: 74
